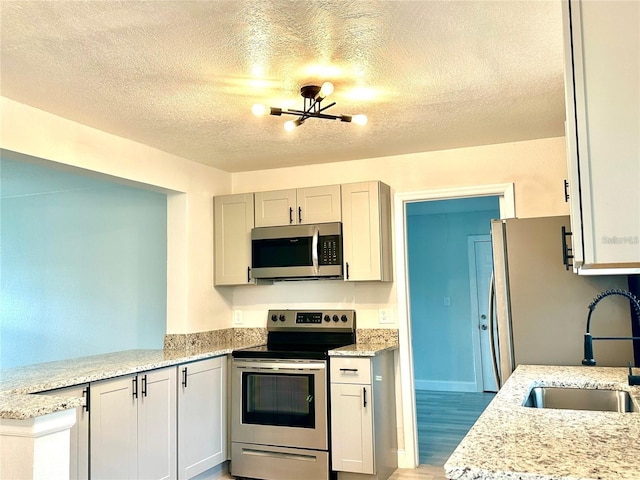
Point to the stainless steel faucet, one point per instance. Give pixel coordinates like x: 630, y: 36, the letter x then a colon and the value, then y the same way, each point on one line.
x: 588, y: 339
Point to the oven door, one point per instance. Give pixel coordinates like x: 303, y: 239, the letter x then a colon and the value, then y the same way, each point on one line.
x: 279, y: 403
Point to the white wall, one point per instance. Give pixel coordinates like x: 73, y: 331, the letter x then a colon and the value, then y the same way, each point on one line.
x: 536, y: 168
x: 192, y: 303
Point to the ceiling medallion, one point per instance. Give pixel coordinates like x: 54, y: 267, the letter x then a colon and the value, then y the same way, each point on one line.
x: 313, y: 96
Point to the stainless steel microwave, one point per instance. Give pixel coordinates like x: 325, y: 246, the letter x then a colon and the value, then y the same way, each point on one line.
x: 297, y: 252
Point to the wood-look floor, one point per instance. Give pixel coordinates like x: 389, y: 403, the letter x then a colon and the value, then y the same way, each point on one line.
x: 444, y: 418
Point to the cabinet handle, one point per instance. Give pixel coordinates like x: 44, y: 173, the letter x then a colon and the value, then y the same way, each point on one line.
x: 248, y: 274
x: 290, y: 214
x: 364, y: 396
x: 144, y: 386
x: 184, y: 377
x: 567, y: 251
x: 135, y: 386
x: 85, y: 394
x: 348, y: 369
x: 299, y: 214
x: 566, y: 191
x: 347, y: 265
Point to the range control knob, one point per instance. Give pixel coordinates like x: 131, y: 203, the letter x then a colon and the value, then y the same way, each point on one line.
x: 344, y: 318
x: 327, y: 318
x: 282, y: 318
x: 335, y: 318
x: 274, y: 318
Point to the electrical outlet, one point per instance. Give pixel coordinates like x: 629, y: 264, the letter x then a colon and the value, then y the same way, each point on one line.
x: 385, y: 315
x: 237, y: 317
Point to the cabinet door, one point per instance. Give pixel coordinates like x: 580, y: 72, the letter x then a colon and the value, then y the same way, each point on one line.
x: 275, y: 208
x: 351, y: 428
x: 79, y: 433
x: 114, y: 429
x: 233, y: 221
x: 157, y: 424
x: 202, y: 420
x: 366, y: 231
x: 603, y: 44
x: 319, y: 204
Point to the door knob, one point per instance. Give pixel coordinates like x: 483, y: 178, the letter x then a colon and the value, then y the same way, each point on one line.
x: 484, y: 327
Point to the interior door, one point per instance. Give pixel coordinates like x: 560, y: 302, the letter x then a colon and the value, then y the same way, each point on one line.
x: 482, y: 268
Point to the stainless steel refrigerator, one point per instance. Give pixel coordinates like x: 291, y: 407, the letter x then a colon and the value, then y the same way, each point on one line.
x: 540, y: 308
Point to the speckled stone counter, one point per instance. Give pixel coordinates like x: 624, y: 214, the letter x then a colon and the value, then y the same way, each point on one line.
x: 17, y: 385
x: 512, y: 442
x: 369, y: 343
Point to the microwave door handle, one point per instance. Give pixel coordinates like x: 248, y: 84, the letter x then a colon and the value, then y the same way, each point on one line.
x: 314, y: 249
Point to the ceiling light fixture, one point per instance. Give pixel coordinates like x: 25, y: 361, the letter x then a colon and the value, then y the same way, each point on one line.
x: 313, y: 96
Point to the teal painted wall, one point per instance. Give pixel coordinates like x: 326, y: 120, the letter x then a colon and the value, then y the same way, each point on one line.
x: 438, y: 262
x: 83, y: 265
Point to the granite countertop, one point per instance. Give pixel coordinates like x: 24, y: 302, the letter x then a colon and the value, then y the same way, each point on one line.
x: 369, y: 343
x: 17, y: 385
x: 362, y: 350
x: 512, y: 442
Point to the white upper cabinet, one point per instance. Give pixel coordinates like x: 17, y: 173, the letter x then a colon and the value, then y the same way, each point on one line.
x: 602, y: 83
x: 233, y: 221
x: 366, y: 228
x: 298, y: 206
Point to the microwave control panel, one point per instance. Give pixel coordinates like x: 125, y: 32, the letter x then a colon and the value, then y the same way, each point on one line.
x: 330, y: 250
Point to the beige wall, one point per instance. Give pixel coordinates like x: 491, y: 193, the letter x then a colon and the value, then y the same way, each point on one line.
x: 535, y: 167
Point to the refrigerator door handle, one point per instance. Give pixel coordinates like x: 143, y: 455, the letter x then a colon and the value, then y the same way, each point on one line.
x: 492, y: 328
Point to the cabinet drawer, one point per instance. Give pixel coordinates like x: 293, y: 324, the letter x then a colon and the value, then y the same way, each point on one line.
x: 350, y: 370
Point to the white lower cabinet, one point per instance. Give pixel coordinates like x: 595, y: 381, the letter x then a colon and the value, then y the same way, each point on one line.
x: 79, y: 433
x: 363, y: 421
x: 202, y: 418
x: 133, y: 426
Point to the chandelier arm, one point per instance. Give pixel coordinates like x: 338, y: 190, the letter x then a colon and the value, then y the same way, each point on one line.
x: 304, y: 115
x: 328, y: 106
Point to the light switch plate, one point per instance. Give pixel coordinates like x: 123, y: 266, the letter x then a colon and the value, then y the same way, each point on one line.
x: 385, y: 315
x: 237, y: 317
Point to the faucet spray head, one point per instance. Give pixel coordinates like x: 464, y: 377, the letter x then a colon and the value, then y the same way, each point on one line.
x: 588, y: 351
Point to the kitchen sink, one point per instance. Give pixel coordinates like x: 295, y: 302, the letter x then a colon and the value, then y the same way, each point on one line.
x: 580, y: 399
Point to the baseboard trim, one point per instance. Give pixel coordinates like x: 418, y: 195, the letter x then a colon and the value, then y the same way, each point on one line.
x: 445, y: 386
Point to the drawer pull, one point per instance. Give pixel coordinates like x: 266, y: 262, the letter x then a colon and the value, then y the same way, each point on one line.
x: 348, y: 369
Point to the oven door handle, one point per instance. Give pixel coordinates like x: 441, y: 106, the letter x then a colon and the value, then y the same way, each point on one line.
x: 275, y: 366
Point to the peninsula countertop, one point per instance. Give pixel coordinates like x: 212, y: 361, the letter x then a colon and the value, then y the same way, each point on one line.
x: 510, y: 441
x: 18, y: 385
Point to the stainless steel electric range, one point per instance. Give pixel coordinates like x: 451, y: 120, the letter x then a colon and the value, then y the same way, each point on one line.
x: 280, y: 393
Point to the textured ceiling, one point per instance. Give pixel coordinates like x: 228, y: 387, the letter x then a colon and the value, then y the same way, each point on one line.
x: 182, y: 76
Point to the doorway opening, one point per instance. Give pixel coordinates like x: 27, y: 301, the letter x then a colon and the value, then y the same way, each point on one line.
x: 438, y: 346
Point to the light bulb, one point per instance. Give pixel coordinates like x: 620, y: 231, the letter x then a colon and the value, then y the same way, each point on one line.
x: 259, y: 110
x: 325, y: 90
x: 289, y: 126
x: 359, y: 119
